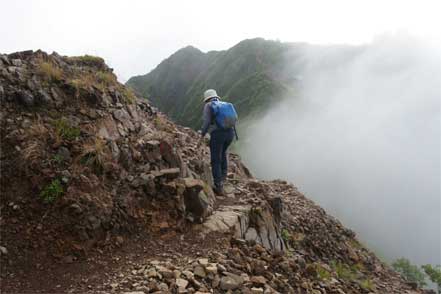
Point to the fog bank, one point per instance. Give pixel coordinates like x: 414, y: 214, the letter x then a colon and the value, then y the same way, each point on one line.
x: 362, y: 139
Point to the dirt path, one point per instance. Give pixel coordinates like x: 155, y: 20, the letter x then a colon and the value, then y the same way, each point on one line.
x: 39, y: 274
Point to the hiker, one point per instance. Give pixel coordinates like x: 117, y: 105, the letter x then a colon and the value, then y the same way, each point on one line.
x: 219, y: 120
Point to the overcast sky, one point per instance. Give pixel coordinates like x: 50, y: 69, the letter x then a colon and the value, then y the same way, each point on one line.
x: 135, y: 35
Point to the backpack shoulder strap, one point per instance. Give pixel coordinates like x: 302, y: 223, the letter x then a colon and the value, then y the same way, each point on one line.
x: 235, y: 132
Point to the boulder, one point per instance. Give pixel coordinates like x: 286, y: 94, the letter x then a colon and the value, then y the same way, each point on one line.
x: 144, y: 129
x: 152, y: 151
x: 122, y: 116
x: 107, y: 129
x: 16, y: 62
x: 262, y: 221
x: 133, y: 112
x: 225, y: 218
x: 207, y: 175
x: 25, y: 98
x: 169, y: 154
x: 43, y: 97
x: 199, y: 199
x: 253, y: 224
x: 64, y: 154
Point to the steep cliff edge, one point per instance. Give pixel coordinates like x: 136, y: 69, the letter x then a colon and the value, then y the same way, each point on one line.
x: 102, y: 193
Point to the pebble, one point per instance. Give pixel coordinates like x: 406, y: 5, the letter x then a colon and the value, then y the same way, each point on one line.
x: 199, y: 271
x: 228, y: 283
x: 203, y: 261
x: 3, y: 250
x: 181, y: 283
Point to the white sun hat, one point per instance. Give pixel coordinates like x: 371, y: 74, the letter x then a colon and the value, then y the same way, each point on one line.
x: 210, y: 94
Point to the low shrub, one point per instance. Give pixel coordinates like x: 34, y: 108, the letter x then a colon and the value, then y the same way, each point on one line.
x: 52, y: 191
x: 64, y: 130
x: 367, y: 284
x: 343, y: 271
x: 88, y: 60
x: 286, y: 236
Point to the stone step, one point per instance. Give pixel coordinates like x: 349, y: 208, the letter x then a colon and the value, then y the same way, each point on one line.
x: 250, y: 223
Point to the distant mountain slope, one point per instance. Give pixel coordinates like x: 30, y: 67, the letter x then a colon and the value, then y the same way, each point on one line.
x: 250, y: 74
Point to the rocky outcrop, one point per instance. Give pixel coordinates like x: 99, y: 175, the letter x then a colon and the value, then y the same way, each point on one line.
x: 67, y: 118
x: 251, y: 224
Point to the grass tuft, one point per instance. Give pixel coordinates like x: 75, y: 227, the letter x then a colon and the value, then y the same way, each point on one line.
x: 88, y: 60
x: 95, y: 155
x: 129, y: 95
x: 50, y: 72
x: 105, y: 78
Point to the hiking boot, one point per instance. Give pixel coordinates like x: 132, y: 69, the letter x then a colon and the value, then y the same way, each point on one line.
x: 218, y: 190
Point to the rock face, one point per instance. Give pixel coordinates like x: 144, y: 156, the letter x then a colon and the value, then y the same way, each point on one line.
x: 86, y: 165
x: 122, y: 157
x: 260, y: 226
x: 252, y: 224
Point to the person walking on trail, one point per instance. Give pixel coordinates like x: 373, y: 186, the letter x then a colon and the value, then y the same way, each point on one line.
x: 219, y: 119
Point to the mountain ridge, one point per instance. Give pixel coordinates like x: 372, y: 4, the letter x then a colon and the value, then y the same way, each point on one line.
x: 96, y: 178
x: 256, y: 62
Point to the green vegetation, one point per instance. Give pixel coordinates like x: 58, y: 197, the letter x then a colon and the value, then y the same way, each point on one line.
x: 106, y: 78
x: 344, y: 271
x: 434, y: 274
x: 355, y: 244
x: 58, y: 159
x: 367, y: 284
x: 50, y: 71
x: 52, y: 191
x: 352, y: 273
x: 286, y: 236
x: 251, y: 74
x: 322, y: 273
x: 128, y: 94
x: 254, y: 215
x: 415, y: 274
x: 64, y: 130
x: 409, y: 271
x: 88, y: 60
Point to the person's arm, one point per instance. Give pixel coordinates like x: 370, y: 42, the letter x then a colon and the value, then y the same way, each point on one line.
x: 206, y: 119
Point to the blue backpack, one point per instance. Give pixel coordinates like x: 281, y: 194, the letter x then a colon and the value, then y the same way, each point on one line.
x: 224, y: 113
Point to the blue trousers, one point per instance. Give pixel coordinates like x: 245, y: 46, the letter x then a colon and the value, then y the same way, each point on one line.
x: 219, y: 142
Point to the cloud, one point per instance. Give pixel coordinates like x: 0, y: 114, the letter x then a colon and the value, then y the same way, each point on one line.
x: 362, y: 138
